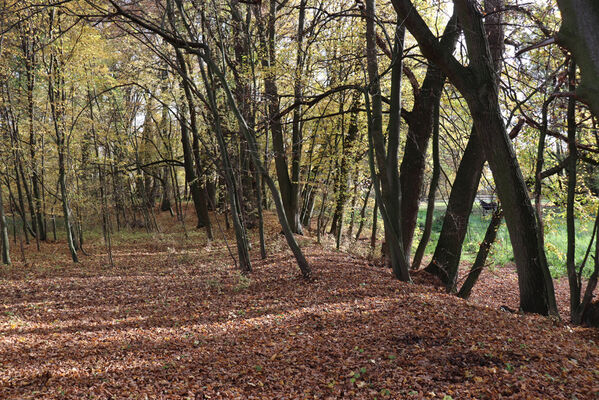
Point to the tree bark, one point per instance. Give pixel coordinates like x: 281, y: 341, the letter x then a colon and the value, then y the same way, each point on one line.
x: 575, y: 287
x: 240, y: 231
x: 289, y: 189
x: 346, y: 157
x: 446, y: 258
x: 56, y: 97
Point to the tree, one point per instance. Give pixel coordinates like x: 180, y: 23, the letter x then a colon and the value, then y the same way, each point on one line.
x: 386, y: 150
x: 579, y: 34
x: 477, y: 83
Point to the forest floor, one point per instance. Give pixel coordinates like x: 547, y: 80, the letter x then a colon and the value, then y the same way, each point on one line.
x: 174, y: 319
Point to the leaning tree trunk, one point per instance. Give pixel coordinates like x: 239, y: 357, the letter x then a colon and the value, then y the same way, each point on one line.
x: 253, y: 146
x: 535, y: 283
x: 481, y: 256
x: 235, y: 207
x: 446, y: 258
x: 420, y: 127
x: 289, y: 189
x: 478, y: 85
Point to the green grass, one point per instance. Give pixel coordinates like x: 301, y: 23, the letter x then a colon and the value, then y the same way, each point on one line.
x: 501, y: 252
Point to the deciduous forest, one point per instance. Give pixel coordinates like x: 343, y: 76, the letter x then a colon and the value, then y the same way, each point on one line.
x: 299, y: 199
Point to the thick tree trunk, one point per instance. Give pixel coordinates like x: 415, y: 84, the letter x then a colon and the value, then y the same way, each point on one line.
x: 477, y: 83
x: 579, y: 33
x: 536, y: 286
x: 446, y: 257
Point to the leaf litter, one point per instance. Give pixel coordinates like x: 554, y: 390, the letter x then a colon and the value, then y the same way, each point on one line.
x: 174, y: 320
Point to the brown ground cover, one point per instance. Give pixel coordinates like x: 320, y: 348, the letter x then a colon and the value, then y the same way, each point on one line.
x: 175, y: 320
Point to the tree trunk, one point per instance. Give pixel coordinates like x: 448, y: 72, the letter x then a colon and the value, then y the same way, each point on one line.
x: 346, y: 158
x: 289, y: 189
x: 199, y: 194
x: 575, y: 287
x: 235, y: 207
x: 420, y: 127
x: 57, y: 101
x: 363, y: 212
x: 481, y: 256
x: 535, y: 283
x: 389, y: 191
x: 4, y: 233
x: 478, y: 85
x: 446, y: 258
x: 165, y: 203
x: 430, y: 209
x: 580, y: 35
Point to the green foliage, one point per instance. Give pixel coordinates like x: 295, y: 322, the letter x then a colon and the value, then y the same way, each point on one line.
x: 501, y: 251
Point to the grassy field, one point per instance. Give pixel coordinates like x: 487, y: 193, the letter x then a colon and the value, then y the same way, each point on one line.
x: 501, y: 252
